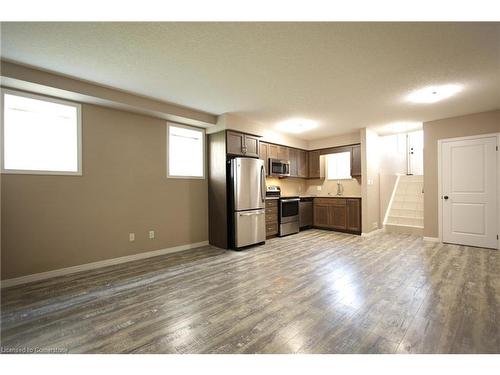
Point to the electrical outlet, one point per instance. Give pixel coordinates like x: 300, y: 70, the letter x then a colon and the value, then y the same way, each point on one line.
x: 318, y: 187
x: 131, y: 237
x: 151, y: 234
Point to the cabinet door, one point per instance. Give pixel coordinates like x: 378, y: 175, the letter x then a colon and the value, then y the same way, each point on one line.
x: 356, y: 161
x: 314, y: 165
x: 235, y: 143
x: 263, y: 155
x: 272, y: 151
x: 354, y: 215
x: 283, y: 153
x: 321, y: 215
x: 338, y: 216
x: 292, y: 156
x: 302, y: 163
x: 251, y: 146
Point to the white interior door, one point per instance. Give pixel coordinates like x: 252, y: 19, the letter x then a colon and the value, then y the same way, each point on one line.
x: 469, y: 192
x: 416, y: 153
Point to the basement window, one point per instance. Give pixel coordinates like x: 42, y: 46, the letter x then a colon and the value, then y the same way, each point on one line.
x: 40, y: 135
x: 185, y: 151
x: 338, y: 166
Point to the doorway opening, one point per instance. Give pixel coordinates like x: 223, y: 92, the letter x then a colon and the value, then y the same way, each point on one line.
x: 401, y: 182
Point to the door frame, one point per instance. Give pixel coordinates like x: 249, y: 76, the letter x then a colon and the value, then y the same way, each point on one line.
x: 440, y: 201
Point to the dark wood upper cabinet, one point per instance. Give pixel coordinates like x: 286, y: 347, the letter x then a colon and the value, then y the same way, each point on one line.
x: 283, y: 153
x: 241, y: 144
x: 278, y: 152
x: 356, y: 161
x: 251, y: 145
x: 314, y: 164
x: 235, y: 143
x: 272, y: 151
x: 294, y: 166
x: 302, y: 164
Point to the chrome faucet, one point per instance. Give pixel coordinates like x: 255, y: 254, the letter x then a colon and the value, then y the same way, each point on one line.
x: 340, y: 189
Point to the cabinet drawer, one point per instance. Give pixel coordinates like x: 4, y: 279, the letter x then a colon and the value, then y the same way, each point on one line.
x: 331, y: 201
x: 271, y: 217
x: 271, y: 229
x: 271, y: 203
x: 272, y: 210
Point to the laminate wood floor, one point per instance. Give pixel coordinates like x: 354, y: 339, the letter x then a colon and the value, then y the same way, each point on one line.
x: 313, y: 292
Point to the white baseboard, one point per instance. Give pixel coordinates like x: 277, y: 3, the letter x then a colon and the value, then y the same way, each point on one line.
x: 431, y: 239
x: 372, y: 233
x: 99, y: 264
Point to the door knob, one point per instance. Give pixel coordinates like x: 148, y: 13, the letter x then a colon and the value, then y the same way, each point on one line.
x: 445, y: 197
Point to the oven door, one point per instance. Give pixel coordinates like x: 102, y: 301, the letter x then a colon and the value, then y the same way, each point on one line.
x: 289, y: 210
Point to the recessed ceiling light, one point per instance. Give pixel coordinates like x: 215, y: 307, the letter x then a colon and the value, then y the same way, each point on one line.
x: 432, y: 94
x: 297, y: 126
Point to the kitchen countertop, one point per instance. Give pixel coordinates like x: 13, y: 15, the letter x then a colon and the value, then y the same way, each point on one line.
x: 318, y: 196
x: 331, y: 196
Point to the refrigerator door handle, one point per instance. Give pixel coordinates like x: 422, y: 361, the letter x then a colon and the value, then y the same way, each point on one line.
x: 262, y: 184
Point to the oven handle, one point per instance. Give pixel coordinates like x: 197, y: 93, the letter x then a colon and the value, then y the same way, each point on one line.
x: 290, y: 200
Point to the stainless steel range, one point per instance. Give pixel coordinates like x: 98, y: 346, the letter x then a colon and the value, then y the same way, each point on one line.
x: 288, y: 215
x: 288, y: 211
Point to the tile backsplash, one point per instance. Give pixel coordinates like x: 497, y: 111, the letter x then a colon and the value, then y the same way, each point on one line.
x: 352, y: 187
x: 300, y: 186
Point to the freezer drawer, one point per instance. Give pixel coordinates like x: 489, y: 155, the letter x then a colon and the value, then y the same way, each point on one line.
x: 249, y: 228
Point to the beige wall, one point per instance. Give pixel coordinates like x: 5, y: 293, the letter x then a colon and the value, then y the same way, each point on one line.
x: 338, y: 140
x: 370, y: 183
x: 236, y: 122
x: 51, y: 222
x: 478, y: 123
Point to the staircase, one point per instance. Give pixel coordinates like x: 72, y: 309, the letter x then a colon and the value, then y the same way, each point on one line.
x: 406, y: 209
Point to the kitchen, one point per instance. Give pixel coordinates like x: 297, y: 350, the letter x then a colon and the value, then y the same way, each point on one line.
x: 259, y: 190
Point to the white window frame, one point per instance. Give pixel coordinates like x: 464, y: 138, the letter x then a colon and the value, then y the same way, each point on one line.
x: 46, y: 99
x: 327, y: 167
x: 204, y: 141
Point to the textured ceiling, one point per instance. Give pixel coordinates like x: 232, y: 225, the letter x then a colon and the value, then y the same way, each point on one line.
x: 345, y: 76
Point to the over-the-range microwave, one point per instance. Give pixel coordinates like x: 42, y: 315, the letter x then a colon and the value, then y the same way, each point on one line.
x: 279, y: 168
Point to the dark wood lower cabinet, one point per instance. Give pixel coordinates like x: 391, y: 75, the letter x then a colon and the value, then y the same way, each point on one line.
x: 271, y: 217
x: 354, y: 215
x: 321, y: 216
x: 341, y: 214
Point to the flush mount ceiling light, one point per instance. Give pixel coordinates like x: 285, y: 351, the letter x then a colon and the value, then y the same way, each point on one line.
x: 297, y: 126
x: 433, y: 94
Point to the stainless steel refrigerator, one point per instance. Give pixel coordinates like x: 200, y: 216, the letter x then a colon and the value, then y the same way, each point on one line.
x: 248, y: 201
